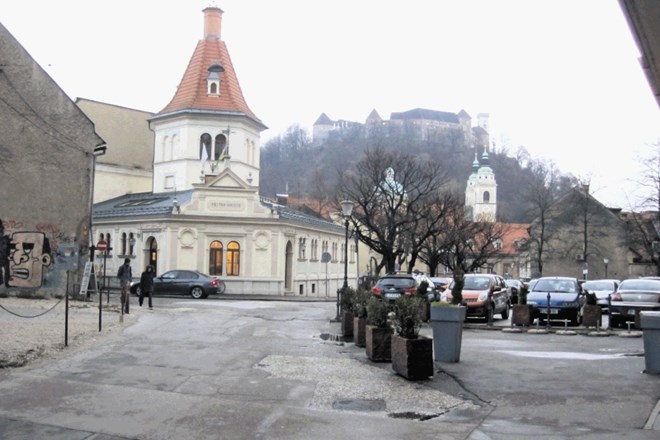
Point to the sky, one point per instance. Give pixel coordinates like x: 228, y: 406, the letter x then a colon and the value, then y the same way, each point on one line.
x: 560, y: 78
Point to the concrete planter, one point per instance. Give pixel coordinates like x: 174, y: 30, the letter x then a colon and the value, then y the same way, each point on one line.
x: 591, y: 315
x: 447, y: 325
x: 521, y: 314
x: 650, y: 323
x: 359, y: 330
x: 412, y: 358
x: 378, y: 341
x: 346, y: 322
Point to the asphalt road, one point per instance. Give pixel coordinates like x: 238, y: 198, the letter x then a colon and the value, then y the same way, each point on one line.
x: 227, y: 369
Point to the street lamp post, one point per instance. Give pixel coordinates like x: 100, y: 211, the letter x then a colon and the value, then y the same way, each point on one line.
x: 347, y: 210
x: 606, y: 261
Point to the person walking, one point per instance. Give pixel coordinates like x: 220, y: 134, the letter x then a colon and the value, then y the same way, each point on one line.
x: 125, y: 275
x: 147, y: 285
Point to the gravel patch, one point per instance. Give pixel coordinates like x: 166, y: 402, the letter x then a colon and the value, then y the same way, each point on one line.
x: 342, y: 381
x: 39, y: 329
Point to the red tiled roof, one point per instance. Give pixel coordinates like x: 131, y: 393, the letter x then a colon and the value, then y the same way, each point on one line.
x: 192, y: 91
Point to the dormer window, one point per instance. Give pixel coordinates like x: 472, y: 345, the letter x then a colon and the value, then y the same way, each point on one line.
x: 213, y: 80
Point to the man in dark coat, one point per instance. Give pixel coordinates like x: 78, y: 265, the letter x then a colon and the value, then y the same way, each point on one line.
x: 147, y: 285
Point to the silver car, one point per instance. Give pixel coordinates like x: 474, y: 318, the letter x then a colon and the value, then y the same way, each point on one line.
x: 632, y: 297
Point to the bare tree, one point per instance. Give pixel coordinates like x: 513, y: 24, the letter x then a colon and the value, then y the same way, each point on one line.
x: 464, y: 245
x: 541, y: 194
x: 390, y: 190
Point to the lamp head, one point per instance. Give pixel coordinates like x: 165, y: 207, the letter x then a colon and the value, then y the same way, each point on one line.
x: 346, y: 208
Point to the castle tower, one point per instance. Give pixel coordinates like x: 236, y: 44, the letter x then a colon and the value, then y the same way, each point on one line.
x: 207, y: 127
x: 481, y: 191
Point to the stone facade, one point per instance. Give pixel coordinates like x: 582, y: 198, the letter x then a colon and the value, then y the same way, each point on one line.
x: 47, y: 148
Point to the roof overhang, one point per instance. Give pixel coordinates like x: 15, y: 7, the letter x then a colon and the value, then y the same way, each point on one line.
x: 643, y: 17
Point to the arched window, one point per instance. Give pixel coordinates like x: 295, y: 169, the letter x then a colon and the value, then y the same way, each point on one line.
x: 131, y: 243
x: 215, y: 258
x: 233, y: 258
x: 213, y: 88
x: 123, y: 243
x: 486, y: 197
x: 205, y: 147
x: 220, y: 146
x: 108, y: 239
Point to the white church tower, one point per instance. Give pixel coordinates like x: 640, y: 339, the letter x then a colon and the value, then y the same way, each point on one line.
x: 207, y: 129
x: 481, y: 191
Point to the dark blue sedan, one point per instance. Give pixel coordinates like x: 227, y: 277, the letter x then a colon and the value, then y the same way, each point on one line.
x: 565, y: 299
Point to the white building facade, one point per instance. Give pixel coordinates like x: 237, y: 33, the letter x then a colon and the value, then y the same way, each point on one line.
x: 204, y: 212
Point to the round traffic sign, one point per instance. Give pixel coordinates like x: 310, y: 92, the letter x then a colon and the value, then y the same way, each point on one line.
x: 102, y: 245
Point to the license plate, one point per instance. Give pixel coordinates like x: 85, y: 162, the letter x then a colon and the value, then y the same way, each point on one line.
x: 391, y: 295
x: 552, y: 311
x: 631, y: 312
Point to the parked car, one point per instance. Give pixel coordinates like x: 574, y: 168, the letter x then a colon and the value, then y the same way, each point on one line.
x: 392, y: 286
x: 516, y: 287
x: 184, y: 282
x: 441, y: 284
x: 566, y: 299
x: 485, y: 295
x: 632, y: 297
x: 602, y: 289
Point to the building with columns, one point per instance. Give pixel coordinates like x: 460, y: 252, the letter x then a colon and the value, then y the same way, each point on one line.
x: 204, y: 211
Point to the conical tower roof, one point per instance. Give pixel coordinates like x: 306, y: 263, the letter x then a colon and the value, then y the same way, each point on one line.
x: 211, y: 57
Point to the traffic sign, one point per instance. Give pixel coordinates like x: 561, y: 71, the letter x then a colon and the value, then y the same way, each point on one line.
x: 102, y: 245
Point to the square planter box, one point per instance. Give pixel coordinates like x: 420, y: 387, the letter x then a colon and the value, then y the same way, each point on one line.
x: 412, y: 358
x: 378, y: 341
x: 591, y: 315
x: 522, y: 314
x: 359, y: 329
x: 447, y: 325
x: 346, y: 322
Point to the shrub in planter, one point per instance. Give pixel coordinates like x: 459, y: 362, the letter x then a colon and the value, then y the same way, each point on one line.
x: 424, y: 305
x: 412, y: 354
x: 521, y: 313
x: 378, y: 333
x: 591, y: 312
x: 360, y: 316
x: 346, y: 301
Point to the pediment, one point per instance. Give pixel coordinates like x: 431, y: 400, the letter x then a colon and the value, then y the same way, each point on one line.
x: 226, y: 179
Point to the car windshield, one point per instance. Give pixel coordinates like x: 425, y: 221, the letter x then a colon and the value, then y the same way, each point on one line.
x: 554, y: 285
x: 640, y: 285
x: 598, y: 285
x: 397, y: 282
x: 476, y: 283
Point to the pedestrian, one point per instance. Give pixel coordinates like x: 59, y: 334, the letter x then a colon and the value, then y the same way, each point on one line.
x: 147, y: 285
x: 125, y: 275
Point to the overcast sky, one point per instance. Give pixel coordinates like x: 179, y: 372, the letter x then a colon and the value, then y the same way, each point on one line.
x: 559, y: 77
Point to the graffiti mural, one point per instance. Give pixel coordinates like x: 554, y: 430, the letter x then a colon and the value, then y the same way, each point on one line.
x: 29, y: 254
x: 24, y: 257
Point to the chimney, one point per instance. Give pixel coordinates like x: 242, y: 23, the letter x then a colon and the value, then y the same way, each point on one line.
x: 212, y: 23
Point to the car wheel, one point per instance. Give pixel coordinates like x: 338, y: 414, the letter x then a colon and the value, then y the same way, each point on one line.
x: 505, y: 312
x: 577, y: 319
x: 221, y: 287
x: 138, y: 290
x: 197, y: 292
x: 488, y: 315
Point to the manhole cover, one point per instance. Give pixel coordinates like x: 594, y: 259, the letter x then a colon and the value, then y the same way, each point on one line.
x: 359, y: 404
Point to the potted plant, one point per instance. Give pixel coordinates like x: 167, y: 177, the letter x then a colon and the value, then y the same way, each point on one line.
x: 412, y: 353
x: 522, y: 313
x: 378, y: 332
x: 346, y: 318
x: 591, y: 311
x: 424, y: 306
x: 447, y: 325
x: 360, y: 316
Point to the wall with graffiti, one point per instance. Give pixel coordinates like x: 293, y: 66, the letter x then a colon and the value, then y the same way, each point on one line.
x: 34, y: 258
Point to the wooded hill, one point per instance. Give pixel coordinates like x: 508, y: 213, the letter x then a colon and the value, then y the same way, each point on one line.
x: 292, y: 163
